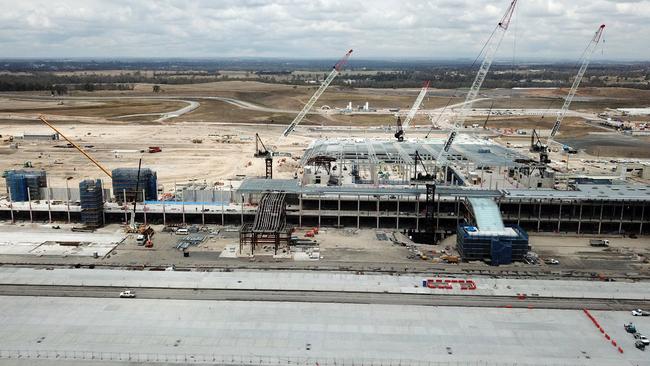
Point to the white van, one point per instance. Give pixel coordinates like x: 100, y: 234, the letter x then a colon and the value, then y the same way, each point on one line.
x: 182, y: 231
x: 140, y: 239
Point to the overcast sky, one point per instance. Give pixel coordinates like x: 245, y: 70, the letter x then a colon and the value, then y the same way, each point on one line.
x: 437, y: 29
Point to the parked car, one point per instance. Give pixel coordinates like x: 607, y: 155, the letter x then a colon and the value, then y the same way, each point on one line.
x: 127, y: 294
x: 552, y: 261
x: 642, y: 338
x: 640, y: 345
x: 639, y: 312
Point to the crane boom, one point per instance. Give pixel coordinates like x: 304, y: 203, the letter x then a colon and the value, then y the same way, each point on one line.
x: 491, y: 48
x: 77, y: 147
x: 335, y: 71
x: 586, y: 57
x: 416, y: 105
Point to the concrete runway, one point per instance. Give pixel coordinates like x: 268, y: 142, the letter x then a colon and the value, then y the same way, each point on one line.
x: 324, y: 297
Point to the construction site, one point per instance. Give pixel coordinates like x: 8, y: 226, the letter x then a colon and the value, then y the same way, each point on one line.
x: 324, y: 223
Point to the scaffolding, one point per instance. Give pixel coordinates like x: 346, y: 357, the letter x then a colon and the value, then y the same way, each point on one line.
x: 270, y: 225
x: 92, y: 202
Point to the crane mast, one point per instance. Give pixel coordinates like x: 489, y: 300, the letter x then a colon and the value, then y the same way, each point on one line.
x: 586, y: 57
x: 335, y: 71
x: 490, y: 50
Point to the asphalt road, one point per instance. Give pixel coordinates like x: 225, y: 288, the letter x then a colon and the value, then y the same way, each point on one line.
x: 323, y: 297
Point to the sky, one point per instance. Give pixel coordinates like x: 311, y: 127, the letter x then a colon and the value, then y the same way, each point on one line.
x: 434, y: 29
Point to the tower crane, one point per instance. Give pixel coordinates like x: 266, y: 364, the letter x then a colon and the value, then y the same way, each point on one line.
x: 402, y: 126
x: 584, y: 60
x: 336, y: 69
x: 491, y: 47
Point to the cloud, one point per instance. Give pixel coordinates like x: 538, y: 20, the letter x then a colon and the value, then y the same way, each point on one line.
x: 318, y: 28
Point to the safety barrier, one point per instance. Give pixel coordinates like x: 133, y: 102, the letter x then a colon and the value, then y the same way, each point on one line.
x: 448, y: 284
x: 602, y: 331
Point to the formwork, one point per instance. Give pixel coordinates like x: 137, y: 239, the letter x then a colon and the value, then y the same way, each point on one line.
x: 499, y: 248
x: 126, y: 182
x: 92, y: 202
x: 23, y: 185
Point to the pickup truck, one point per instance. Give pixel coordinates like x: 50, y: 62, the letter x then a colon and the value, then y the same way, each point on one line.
x: 639, y: 312
x: 127, y: 294
x: 599, y: 242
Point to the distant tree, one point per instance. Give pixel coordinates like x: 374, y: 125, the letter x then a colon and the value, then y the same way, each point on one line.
x: 89, y: 87
x: 156, y: 88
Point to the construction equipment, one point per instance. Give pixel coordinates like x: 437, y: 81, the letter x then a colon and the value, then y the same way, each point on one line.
x: 262, y: 152
x: 419, y: 176
x: 490, y: 47
x: 335, y: 71
x: 106, y: 171
x: 401, y: 127
x: 584, y: 60
x: 488, y: 116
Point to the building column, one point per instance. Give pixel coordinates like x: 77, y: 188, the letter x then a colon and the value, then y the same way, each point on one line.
x: 437, y: 215
x: 202, y: 214
x: 600, y: 220
x: 397, y: 221
x: 559, y: 217
x: 417, y: 212
x: 183, y: 208
x: 642, y: 218
x: 144, y: 207
x: 338, y: 214
x: 457, y: 211
x: 620, y: 223
x: 319, y: 197
x: 11, y: 207
x: 165, y: 218
x: 49, y: 208
x: 519, y: 214
x: 300, y: 210
x: 126, y: 219
x: 377, y: 204
x: 29, y: 201
x: 580, y: 218
x: 358, y: 209
x: 539, y: 217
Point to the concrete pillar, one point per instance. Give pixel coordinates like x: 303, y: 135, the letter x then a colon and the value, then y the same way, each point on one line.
x: 559, y: 217
x: 202, y: 214
x: 183, y: 208
x: 642, y: 218
x: 437, y: 215
x: 223, y: 213
x: 457, y: 211
x: 103, y: 201
x: 580, y: 218
x: 620, y: 223
x: 29, y: 201
x: 358, y: 209
x: 126, y: 219
x: 338, y: 213
x: 397, y: 220
x: 600, y: 220
x: 377, y: 204
x: 319, y: 197
x: 241, y: 214
x: 164, y: 217
x: 300, y: 210
x: 49, y: 208
x: 417, y: 212
x: 519, y: 214
x: 11, y: 208
x: 539, y: 217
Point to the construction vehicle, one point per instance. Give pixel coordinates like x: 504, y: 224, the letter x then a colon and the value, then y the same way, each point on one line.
x: 488, y: 116
x: 490, y: 47
x: 28, y: 164
x: 401, y: 127
x: 599, y: 242
x: 451, y: 259
x: 418, y: 176
x: 585, y: 58
x: 128, y: 294
x: 630, y: 328
x: 336, y: 69
x: 154, y: 149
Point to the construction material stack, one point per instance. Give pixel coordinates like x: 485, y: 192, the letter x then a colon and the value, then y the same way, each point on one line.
x: 92, y: 203
x: 25, y: 185
x: 126, y: 181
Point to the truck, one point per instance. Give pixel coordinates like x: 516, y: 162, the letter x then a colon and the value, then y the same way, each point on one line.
x: 140, y: 239
x: 127, y: 294
x: 154, y: 149
x: 599, y: 242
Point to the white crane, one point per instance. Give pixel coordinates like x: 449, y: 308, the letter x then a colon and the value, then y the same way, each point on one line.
x: 585, y: 58
x: 416, y: 105
x: 402, y: 126
x: 491, y: 48
x: 335, y: 71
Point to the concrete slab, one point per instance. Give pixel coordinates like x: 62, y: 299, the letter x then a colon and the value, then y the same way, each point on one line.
x: 276, y: 333
x: 24, y: 242
x: 321, y: 281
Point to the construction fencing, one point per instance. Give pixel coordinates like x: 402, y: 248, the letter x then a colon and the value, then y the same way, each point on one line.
x: 237, y: 360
